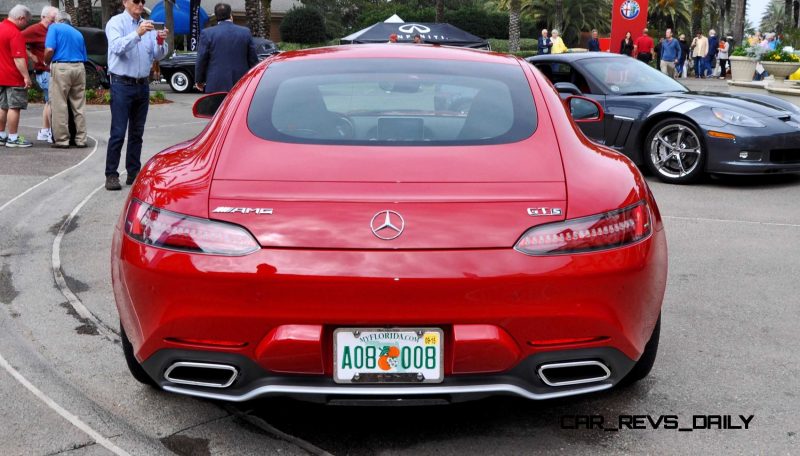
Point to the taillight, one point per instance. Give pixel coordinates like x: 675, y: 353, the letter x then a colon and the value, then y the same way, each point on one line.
x: 170, y: 230
x: 597, y: 232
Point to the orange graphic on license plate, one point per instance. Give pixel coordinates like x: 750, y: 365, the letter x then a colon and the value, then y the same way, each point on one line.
x: 388, y: 359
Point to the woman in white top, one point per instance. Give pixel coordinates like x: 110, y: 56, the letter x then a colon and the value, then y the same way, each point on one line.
x: 722, y: 57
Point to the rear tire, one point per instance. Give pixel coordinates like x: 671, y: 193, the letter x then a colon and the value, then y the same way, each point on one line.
x: 645, y: 364
x: 181, y: 82
x: 133, y: 365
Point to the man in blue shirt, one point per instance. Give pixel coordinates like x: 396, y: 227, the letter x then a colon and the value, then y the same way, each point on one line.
x: 65, y: 51
x: 133, y: 44
x: 594, y: 43
x: 670, y: 54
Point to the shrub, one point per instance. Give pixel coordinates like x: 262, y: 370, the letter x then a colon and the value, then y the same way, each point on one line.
x: 90, y: 94
x: 157, y: 96
x: 381, y: 12
x: 779, y: 56
x: 35, y: 95
x: 303, y: 25
x: 486, y: 24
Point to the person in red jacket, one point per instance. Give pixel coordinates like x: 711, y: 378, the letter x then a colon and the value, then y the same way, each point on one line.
x: 643, y: 47
x: 34, y: 38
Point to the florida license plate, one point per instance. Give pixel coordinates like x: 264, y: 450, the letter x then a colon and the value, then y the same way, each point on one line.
x: 404, y: 355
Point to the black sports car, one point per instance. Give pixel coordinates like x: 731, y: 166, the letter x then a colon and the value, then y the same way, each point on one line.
x: 678, y: 134
x: 178, y: 70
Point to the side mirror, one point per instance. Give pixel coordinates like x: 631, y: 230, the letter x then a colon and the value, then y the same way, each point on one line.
x: 584, y: 109
x: 568, y: 88
x: 206, y: 106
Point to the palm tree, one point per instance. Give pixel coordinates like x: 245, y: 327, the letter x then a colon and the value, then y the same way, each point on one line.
x: 673, y: 14
x: 513, y: 25
x: 266, y: 8
x: 739, y: 21
x: 697, y: 15
x: 255, y: 21
x: 439, y: 11
x: 84, y: 13
x: 773, y: 17
x: 169, y: 23
x: 570, y: 17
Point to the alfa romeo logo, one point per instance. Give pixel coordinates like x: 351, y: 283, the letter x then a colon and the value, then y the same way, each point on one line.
x: 630, y: 9
x: 412, y: 28
x: 387, y: 225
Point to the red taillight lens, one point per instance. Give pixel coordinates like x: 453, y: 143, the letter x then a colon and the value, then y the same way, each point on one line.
x: 597, y: 232
x: 174, y: 231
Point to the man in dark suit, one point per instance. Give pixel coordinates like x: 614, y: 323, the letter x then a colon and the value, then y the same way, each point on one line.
x: 226, y: 52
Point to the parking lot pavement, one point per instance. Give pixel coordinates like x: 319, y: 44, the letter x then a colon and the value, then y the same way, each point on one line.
x: 728, y: 344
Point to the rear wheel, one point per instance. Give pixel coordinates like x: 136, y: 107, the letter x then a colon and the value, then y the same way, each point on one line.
x: 674, y: 151
x: 133, y: 365
x: 181, y: 81
x: 645, y: 364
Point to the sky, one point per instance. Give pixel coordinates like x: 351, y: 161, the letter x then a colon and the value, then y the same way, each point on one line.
x: 755, y: 8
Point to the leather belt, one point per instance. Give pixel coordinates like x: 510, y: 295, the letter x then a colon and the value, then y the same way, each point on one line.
x: 128, y: 80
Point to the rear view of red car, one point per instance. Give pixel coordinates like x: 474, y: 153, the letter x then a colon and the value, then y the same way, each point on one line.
x: 389, y: 222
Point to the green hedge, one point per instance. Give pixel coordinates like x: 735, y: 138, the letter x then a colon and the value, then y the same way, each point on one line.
x: 303, y: 25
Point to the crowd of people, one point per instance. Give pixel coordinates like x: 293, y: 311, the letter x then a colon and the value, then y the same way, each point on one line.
x: 703, y: 57
x: 54, y: 53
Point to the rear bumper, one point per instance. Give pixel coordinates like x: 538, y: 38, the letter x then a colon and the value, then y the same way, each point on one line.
x: 523, y: 381
x: 503, y: 313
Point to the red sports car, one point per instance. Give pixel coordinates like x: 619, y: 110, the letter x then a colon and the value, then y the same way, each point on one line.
x: 390, y: 222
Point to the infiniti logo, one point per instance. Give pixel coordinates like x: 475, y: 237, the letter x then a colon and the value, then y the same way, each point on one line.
x: 387, y: 225
x: 411, y: 28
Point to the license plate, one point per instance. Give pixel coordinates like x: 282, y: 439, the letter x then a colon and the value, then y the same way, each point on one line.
x: 397, y: 355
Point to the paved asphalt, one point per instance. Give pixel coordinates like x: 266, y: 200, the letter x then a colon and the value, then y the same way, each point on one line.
x: 729, y: 343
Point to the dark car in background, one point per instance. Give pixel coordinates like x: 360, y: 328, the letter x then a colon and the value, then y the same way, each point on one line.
x: 678, y: 134
x: 97, y: 52
x: 178, y: 70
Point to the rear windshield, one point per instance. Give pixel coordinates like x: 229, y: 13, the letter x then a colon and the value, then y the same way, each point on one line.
x: 392, y: 102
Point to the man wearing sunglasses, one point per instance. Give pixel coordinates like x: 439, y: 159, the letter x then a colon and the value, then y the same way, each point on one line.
x: 133, y: 45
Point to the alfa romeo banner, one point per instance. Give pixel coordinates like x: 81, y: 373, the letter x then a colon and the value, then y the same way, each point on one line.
x: 194, y: 24
x: 627, y: 16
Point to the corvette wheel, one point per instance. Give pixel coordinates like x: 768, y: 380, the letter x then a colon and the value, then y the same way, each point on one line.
x: 133, y: 365
x: 674, y: 152
x: 181, y: 82
x: 645, y: 364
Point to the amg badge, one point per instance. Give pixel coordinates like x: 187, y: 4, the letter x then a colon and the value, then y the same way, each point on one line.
x: 540, y: 211
x: 242, y: 210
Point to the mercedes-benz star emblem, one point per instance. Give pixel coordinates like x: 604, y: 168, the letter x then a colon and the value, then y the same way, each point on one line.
x: 387, y: 225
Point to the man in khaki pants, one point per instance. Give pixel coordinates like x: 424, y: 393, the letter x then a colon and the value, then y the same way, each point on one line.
x: 65, y: 51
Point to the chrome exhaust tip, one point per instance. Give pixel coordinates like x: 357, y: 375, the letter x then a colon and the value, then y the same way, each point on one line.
x: 201, y: 374
x: 573, y: 373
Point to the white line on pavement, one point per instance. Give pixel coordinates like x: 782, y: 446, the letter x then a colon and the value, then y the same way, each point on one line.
x: 9, y: 202
x: 62, y: 411
x: 74, y: 301
x: 749, y: 222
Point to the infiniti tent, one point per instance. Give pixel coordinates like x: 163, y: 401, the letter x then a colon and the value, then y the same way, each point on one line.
x: 432, y: 33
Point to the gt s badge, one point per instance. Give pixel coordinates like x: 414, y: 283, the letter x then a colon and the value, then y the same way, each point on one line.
x: 540, y: 211
x: 242, y: 210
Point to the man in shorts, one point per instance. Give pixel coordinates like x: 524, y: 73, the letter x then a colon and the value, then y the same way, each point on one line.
x: 14, y: 79
x: 34, y: 38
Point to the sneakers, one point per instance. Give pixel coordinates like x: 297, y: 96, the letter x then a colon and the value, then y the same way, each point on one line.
x: 19, y: 142
x: 130, y: 179
x: 44, y: 135
x: 3, y: 141
x: 112, y: 183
